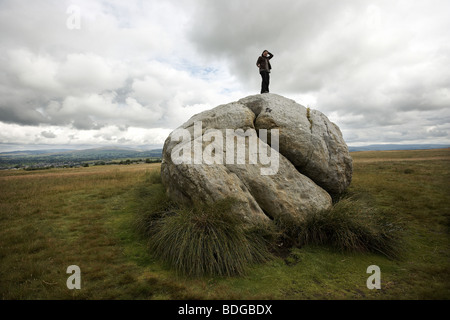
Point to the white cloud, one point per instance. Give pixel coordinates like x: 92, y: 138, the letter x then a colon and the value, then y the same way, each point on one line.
x: 135, y: 70
x: 35, y: 72
x: 82, y: 73
x: 57, y: 135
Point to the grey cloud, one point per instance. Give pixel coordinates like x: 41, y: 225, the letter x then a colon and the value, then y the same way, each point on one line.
x: 48, y: 134
x: 380, y: 68
x: 22, y: 113
x: 83, y: 122
x: 124, y: 140
x: 239, y: 31
x: 375, y: 59
x: 435, y: 132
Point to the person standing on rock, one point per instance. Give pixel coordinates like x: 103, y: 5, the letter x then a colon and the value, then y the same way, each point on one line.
x: 264, y: 69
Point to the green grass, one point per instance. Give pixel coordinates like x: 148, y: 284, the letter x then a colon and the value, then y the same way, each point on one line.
x: 205, y: 241
x: 87, y: 217
x: 198, y: 241
x: 352, y: 225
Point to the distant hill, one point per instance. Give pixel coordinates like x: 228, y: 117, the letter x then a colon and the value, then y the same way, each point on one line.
x: 64, y: 156
x: 60, y: 157
x: 31, y: 152
x: 92, y: 154
x: 387, y: 147
x: 105, y: 153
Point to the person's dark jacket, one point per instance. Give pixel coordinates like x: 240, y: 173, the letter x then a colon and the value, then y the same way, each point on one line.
x: 261, y: 62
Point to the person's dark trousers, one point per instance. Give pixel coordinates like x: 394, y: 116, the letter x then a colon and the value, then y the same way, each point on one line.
x: 265, y: 81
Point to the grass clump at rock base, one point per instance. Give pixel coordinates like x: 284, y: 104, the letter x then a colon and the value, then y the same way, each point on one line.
x: 201, y: 240
x: 351, y: 225
x: 205, y: 240
x: 210, y: 240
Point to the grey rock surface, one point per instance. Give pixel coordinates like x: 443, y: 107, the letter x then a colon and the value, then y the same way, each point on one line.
x: 200, y: 164
x: 312, y: 143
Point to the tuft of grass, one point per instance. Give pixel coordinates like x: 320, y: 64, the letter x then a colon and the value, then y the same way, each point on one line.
x: 207, y: 239
x: 153, y: 177
x: 308, y: 115
x: 351, y: 225
x: 152, y: 204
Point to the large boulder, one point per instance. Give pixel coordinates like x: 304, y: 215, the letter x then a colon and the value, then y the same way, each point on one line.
x: 287, y: 171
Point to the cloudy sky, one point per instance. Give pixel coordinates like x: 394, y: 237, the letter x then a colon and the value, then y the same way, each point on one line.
x: 126, y: 73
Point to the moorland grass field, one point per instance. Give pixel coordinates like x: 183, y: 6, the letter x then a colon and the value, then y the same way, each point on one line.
x: 55, y: 218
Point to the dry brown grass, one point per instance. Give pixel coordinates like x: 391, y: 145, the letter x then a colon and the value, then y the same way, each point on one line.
x: 409, y: 155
